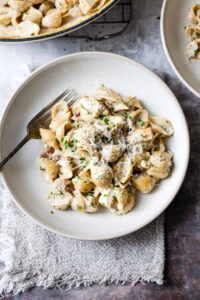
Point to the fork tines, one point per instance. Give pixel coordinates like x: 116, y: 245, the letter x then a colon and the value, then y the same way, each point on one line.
x: 68, y: 96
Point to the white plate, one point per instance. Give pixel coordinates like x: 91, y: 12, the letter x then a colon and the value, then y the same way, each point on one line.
x: 174, y: 18
x: 84, y: 72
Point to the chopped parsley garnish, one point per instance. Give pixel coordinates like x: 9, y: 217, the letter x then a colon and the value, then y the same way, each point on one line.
x: 105, y: 119
x: 84, y: 194
x: 79, y: 207
x: 88, y: 111
x: 114, y: 198
x: 106, y: 139
x: 131, y: 119
x: 142, y: 123
x: 97, y: 139
x: 96, y: 163
x: 69, y: 144
x: 56, y: 194
x: 65, y: 142
x: 52, y: 212
x: 196, y: 51
x: 91, y: 193
x: 101, y: 117
x: 164, y: 128
x: 82, y: 158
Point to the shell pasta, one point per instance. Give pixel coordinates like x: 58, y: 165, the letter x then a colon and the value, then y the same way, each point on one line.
x: 193, y: 32
x: 28, y: 18
x: 101, y: 150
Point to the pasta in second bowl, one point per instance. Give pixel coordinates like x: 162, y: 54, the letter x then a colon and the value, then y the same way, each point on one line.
x: 35, y: 19
x: 102, y: 149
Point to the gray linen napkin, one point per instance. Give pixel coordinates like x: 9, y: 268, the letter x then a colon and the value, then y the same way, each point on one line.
x: 32, y: 256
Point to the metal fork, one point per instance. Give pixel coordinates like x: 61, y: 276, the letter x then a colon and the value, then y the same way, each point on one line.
x: 41, y: 120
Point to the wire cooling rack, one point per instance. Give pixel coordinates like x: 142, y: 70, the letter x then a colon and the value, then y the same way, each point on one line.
x: 111, y: 24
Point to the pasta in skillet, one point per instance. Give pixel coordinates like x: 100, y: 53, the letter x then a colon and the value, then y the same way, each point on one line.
x: 102, y: 150
x: 193, y: 31
x: 27, y: 18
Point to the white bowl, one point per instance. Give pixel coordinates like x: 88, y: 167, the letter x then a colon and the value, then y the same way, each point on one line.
x: 84, y: 72
x: 174, y: 17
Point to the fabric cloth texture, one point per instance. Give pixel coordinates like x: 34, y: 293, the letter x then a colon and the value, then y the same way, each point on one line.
x: 31, y: 256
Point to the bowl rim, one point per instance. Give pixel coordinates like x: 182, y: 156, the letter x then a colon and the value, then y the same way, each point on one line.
x: 167, y: 52
x: 4, y: 177
x: 61, y: 32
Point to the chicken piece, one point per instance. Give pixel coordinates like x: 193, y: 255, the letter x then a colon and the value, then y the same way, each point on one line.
x: 112, y: 153
x: 90, y: 108
x: 58, y: 197
x: 101, y: 175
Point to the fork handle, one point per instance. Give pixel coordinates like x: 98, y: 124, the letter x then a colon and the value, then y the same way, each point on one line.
x: 10, y: 155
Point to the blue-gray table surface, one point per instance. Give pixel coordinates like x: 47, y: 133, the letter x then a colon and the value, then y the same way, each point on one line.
x: 141, y: 42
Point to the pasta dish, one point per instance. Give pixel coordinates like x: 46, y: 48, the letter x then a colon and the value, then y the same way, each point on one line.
x: 28, y: 18
x: 101, y: 150
x: 193, y: 31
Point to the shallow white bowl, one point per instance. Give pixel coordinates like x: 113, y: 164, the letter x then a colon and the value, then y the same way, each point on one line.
x: 174, y: 17
x: 84, y: 72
